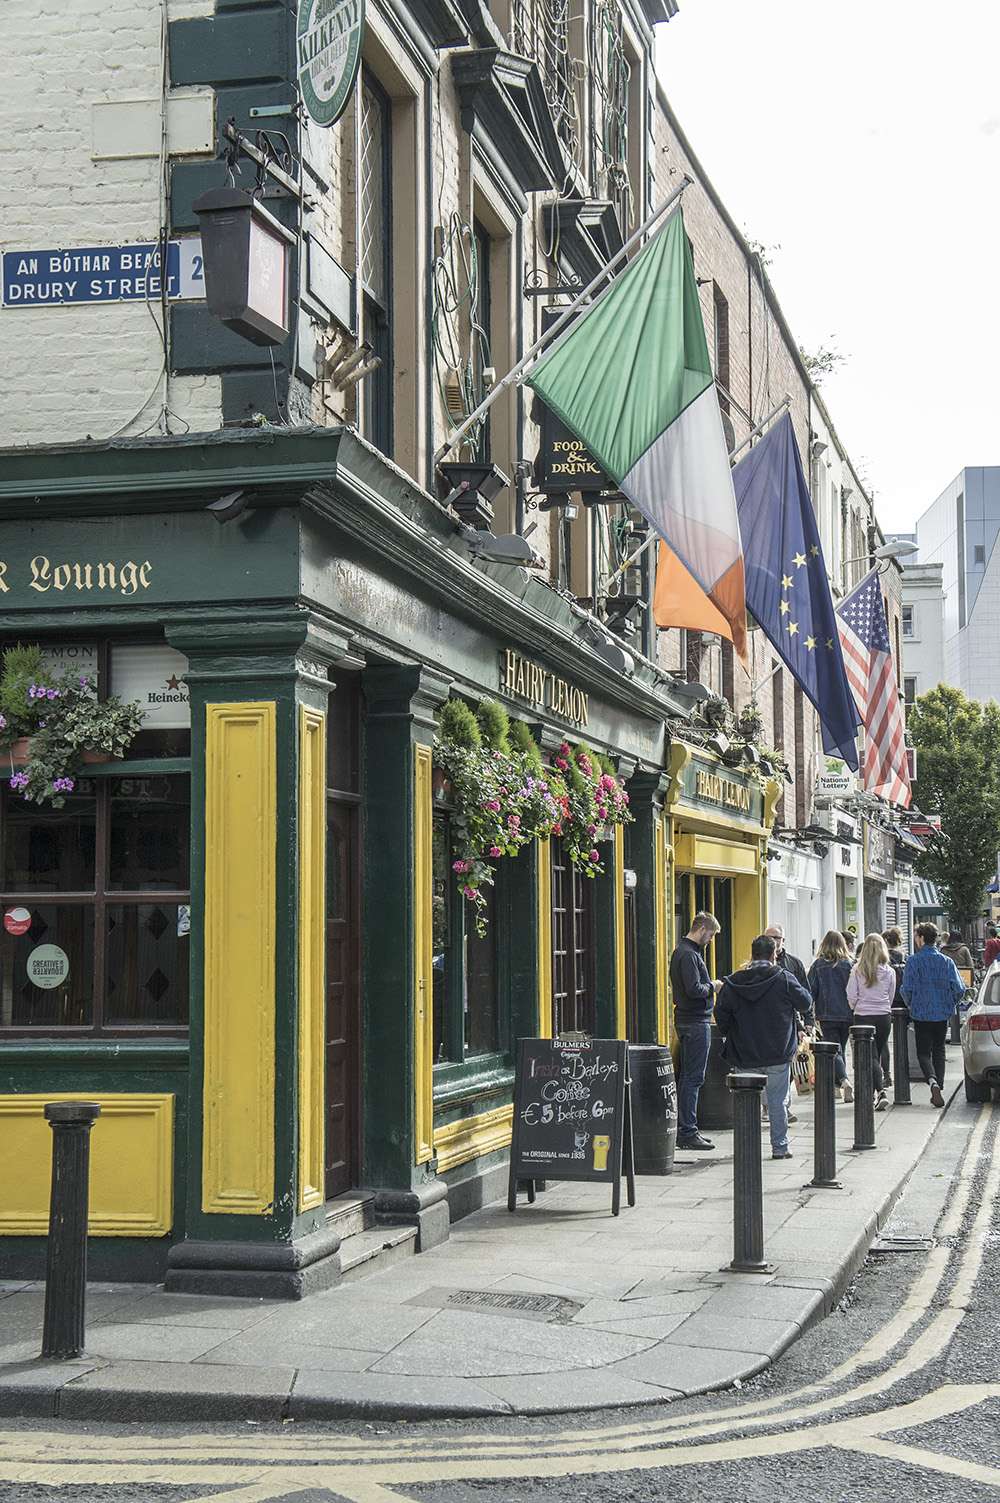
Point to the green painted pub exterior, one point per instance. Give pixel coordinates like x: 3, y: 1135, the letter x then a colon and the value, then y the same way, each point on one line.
x: 272, y: 990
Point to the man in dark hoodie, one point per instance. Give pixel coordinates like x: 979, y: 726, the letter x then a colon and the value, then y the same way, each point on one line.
x: 757, y: 1016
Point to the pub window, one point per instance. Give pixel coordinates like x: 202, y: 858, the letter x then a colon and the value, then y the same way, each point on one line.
x: 375, y: 158
x: 467, y: 1023
x: 96, y: 894
x: 572, y: 945
x: 482, y: 330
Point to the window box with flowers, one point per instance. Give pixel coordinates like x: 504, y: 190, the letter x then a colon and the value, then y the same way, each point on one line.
x: 50, y: 727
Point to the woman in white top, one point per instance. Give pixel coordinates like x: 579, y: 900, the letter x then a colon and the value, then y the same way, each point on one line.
x: 871, y: 989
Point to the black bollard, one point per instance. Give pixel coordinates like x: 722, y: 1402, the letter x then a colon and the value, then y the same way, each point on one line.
x: 900, y: 1057
x: 863, y: 1040
x: 955, y: 1028
x: 748, y: 1181
x: 66, y: 1256
x: 825, y: 1052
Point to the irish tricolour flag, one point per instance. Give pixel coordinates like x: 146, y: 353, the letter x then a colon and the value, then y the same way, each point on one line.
x: 632, y: 379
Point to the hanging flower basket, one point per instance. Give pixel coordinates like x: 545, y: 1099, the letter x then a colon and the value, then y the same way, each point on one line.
x: 441, y: 785
x: 92, y: 756
x: 19, y: 751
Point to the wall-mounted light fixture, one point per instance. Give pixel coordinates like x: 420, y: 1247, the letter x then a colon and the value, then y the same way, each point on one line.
x: 228, y: 507
x: 248, y: 258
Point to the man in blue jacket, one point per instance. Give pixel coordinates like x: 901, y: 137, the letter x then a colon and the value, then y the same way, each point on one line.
x: 694, y: 995
x: 757, y: 1015
x: 932, y: 988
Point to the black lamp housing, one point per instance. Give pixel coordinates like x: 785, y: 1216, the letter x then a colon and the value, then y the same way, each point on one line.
x: 247, y: 256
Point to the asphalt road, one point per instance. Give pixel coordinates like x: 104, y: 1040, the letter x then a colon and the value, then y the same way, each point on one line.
x: 896, y: 1396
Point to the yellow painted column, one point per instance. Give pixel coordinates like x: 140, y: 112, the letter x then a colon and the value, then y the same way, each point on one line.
x: 543, y: 935
x: 621, y: 1020
x: 661, y: 886
x: 423, y: 954
x: 311, y: 958
x: 240, y: 886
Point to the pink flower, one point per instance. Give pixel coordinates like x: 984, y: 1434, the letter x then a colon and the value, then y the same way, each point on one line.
x: 492, y: 804
x: 594, y: 856
x: 470, y: 893
x: 625, y: 797
x: 495, y: 850
x: 591, y: 830
x: 602, y: 811
x: 562, y: 764
x: 460, y: 866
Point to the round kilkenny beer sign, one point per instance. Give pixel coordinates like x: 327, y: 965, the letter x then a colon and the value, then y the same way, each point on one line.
x: 328, y: 49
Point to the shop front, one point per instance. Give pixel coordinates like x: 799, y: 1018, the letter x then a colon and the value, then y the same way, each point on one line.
x: 879, y: 865
x: 719, y: 822
x: 245, y: 937
x: 795, y: 898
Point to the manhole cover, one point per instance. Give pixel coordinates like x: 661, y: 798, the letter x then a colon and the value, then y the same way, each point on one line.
x: 520, y: 1305
x: 902, y: 1244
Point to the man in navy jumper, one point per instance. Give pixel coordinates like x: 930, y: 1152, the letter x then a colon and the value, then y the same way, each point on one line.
x: 694, y: 997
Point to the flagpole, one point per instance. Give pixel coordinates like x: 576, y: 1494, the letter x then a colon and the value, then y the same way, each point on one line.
x: 654, y: 536
x: 513, y: 375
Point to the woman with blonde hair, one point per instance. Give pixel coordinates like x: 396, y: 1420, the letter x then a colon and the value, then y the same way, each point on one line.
x: 828, y: 976
x: 870, y: 992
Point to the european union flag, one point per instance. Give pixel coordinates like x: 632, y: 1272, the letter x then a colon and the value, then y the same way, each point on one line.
x: 788, y: 593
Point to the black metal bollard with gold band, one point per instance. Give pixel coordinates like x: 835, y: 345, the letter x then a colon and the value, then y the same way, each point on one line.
x: 66, y: 1254
x: 863, y: 1041
x: 825, y: 1052
x: 748, y: 1182
x: 900, y: 1057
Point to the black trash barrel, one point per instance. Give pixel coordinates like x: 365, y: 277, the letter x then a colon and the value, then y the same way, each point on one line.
x: 654, y: 1108
x: 715, y: 1101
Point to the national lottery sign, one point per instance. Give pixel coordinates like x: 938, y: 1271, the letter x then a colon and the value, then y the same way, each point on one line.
x: 328, y: 55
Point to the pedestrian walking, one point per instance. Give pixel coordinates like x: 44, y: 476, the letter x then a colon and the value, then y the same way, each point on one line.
x: 790, y: 963
x: 694, y: 994
x: 897, y: 959
x: 828, y: 977
x: 793, y: 965
x: 932, y: 988
x: 871, y: 988
x: 957, y: 950
x: 991, y: 950
x: 758, y: 1016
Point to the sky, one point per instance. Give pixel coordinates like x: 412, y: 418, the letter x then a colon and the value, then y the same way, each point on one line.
x: 860, y: 141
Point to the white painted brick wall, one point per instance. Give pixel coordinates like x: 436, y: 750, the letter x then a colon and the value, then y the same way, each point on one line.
x: 74, y: 372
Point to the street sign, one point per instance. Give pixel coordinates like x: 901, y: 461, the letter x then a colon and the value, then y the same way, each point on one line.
x: 102, y: 274
x: 328, y: 55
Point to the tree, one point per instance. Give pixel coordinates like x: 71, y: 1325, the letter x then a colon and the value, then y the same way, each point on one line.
x: 958, y: 777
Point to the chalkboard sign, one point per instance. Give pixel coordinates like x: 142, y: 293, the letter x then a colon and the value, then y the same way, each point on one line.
x: 572, y: 1115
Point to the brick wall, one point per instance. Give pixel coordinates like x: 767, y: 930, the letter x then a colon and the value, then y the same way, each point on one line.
x: 77, y: 372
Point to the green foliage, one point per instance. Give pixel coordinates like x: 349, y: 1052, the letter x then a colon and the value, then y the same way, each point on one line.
x: 22, y: 668
x: 494, y: 725
x: 70, y: 721
x: 458, y: 725
x: 523, y: 741
x: 958, y: 777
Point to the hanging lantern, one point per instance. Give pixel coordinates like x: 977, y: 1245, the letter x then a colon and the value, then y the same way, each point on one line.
x: 247, y: 255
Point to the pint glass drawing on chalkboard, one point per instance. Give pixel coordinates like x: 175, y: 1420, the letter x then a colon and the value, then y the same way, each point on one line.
x: 572, y: 1115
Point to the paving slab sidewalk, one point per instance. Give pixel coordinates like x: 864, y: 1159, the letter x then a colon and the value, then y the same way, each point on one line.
x: 559, y: 1307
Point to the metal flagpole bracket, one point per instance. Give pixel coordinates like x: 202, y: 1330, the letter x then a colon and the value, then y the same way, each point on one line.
x: 548, y: 338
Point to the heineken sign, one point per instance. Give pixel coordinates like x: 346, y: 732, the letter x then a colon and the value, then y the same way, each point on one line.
x: 328, y: 54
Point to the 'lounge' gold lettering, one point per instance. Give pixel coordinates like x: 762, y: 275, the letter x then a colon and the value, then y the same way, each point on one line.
x: 125, y: 579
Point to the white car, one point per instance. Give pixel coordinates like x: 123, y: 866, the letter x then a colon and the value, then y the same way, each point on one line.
x: 981, y: 1039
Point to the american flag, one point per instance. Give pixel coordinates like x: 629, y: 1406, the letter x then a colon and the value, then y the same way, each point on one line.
x: 864, y: 638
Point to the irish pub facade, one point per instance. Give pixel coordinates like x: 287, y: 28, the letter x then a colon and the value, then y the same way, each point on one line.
x: 269, y: 981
